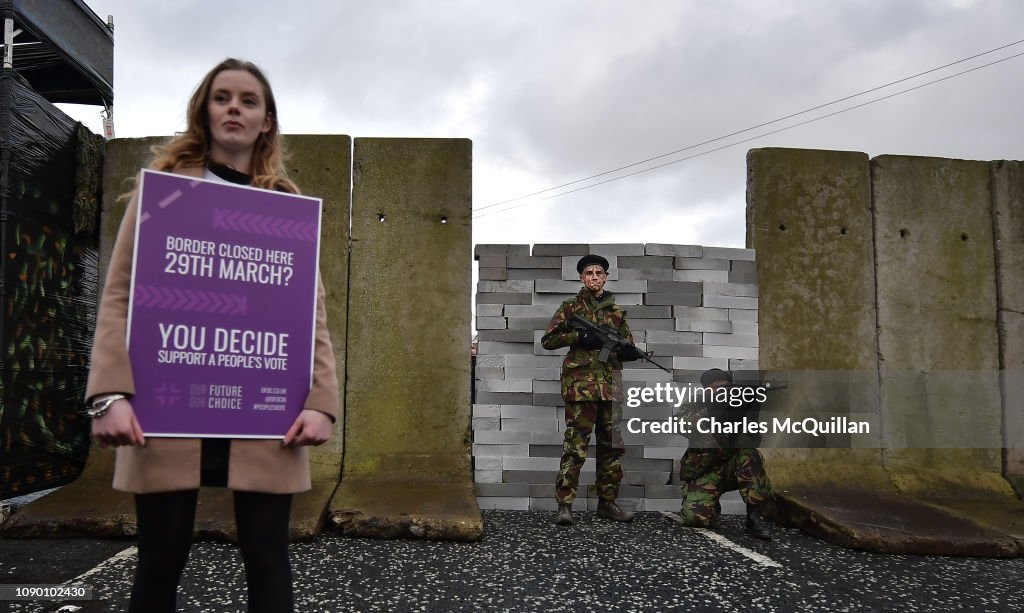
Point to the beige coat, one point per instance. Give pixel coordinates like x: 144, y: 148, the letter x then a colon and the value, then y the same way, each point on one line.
x: 167, y: 464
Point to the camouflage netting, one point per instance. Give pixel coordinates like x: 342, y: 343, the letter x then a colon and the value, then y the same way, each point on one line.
x: 50, y: 194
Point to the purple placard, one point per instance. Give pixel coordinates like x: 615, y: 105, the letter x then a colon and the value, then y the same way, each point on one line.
x: 222, y: 310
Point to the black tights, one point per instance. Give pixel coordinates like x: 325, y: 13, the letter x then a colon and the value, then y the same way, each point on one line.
x: 165, y: 522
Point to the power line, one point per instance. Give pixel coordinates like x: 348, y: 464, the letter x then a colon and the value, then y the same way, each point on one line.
x: 746, y: 140
x: 760, y: 125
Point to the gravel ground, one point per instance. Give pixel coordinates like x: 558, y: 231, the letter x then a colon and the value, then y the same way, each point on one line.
x: 525, y: 563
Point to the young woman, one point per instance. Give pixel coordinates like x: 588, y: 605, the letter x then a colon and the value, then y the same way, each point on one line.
x: 232, y: 135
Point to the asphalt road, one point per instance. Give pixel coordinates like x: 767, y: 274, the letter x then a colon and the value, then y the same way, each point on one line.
x: 525, y: 563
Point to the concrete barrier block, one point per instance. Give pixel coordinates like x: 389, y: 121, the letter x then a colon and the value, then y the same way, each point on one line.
x: 547, y: 387
x: 491, y: 261
x: 740, y: 364
x: 637, y: 326
x: 533, y: 273
x: 623, y: 287
x: 730, y: 340
x: 725, y: 351
x: 520, y: 286
x: 936, y: 285
x: 552, y: 301
x: 529, y: 311
x: 645, y: 274
x: 628, y: 300
x: 718, y: 276
x: 493, y: 361
x: 547, y: 491
x: 647, y: 261
x: 505, y: 490
x: 674, y: 492
x: 547, y: 438
x: 491, y: 323
x: 654, y: 298
x: 515, y: 424
x: 529, y: 411
x: 530, y: 261
x: 500, y: 348
x: 701, y: 364
x: 531, y: 323
x: 675, y: 287
x: 504, y: 397
x: 1008, y: 197
x: 487, y: 464
x: 688, y: 251
x: 534, y: 374
x: 481, y: 250
x: 489, y: 310
x: 686, y: 263
x: 559, y: 250
x: 743, y: 315
x: 549, y: 400
x: 728, y: 253
x: 742, y: 272
x: 685, y: 312
x: 503, y: 385
x: 486, y: 423
x: 493, y: 274
x: 730, y: 289
x: 610, y: 250
x: 504, y: 336
x: 502, y: 298
x: 667, y: 453
x: 484, y: 372
x: 533, y: 361
x: 527, y: 463
x: 649, y: 312
x: 497, y: 437
x: 730, y: 302
x: 690, y: 351
x: 645, y: 374
x: 673, y: 336
x: 486, y: 410
x: 699, y: 325
x: 499, y: 451
x: 745, y: 327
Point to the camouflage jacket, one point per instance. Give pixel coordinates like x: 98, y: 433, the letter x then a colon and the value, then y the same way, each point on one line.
x: 584, y: 377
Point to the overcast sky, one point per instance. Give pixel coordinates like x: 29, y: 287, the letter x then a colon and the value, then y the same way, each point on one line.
x: 551, y: 91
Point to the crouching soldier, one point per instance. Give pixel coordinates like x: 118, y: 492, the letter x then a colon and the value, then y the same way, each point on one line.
x: 707, y: 473
x: 589, y: 387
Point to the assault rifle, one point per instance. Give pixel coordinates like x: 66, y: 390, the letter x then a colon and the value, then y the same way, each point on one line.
x: 611, y: 340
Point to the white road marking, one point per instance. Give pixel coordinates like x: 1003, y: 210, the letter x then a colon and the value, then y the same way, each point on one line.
x: 118, y: 557
x: 761, y: 559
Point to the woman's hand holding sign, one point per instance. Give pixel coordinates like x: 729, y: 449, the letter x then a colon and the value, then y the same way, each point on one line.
x: 118, y: 426
x: 310, y: 428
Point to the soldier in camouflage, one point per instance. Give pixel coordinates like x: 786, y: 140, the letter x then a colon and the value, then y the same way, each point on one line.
x: 707, y: 473
x: 592, y: 390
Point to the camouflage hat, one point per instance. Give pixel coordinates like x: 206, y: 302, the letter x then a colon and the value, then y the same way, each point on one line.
x: 587, y: 260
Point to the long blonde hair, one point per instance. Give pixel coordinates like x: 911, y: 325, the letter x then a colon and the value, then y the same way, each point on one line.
x: 191, y: 148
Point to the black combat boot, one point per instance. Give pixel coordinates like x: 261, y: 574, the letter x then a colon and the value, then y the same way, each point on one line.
x: 610, y: 510
x: 565, y: 515
x: 757, y: 525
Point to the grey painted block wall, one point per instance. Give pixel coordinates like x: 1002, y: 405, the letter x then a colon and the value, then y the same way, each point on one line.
x: 694, y: 306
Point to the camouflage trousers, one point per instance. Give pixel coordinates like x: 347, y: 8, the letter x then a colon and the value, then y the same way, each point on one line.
x: 581, y: 418
x: 709, y: 473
